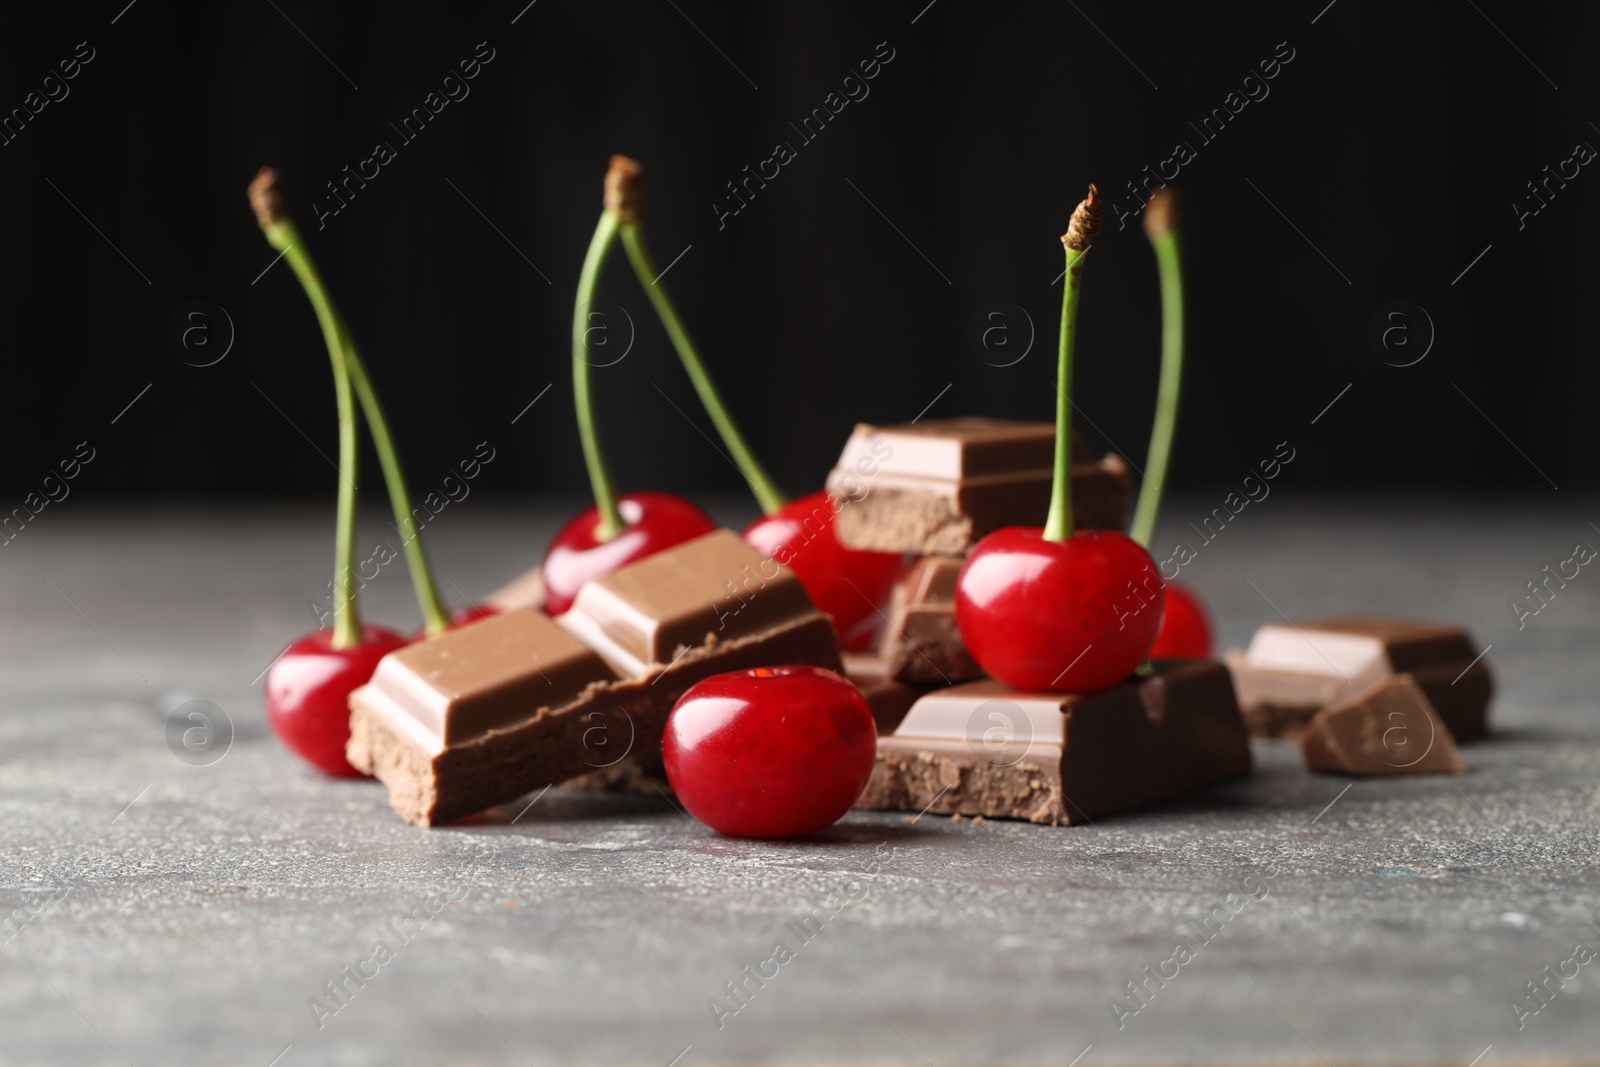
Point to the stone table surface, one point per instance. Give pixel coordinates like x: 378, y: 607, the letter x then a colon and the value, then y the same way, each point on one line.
x: 165, y: 913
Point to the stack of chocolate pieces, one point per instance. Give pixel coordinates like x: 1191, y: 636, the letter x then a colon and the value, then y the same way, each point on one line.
x: 932, y: 490
x: 500, y: 707
x: 954, y: 742
x: 1365, y: 695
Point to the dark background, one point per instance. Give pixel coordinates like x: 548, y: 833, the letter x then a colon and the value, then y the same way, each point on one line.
x: 1395, y: 140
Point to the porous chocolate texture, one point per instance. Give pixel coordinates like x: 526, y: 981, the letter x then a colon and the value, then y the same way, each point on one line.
x: 1293, y: 670
x: 937, y: 487
x: 1390, y: 728
x: 488, y: 712
x: 984, y: 749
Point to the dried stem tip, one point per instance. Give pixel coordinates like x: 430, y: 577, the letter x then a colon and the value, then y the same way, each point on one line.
x: 1161, y: 214
x: 266, y: 199
x: 1085, y: 224
x: 625, y: 189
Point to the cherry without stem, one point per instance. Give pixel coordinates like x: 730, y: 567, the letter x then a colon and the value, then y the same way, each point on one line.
x: 849, y: 585
x: 654, y: 521
x: 1185, y: 627
x: 770, y: 752
x: 308, y: 694
x: 1058, y: 616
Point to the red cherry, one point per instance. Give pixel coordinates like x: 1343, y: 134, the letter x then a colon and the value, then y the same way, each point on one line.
x: 655, y: 521
x: 770, y: 752
x: 1069, y: 616
x: 1185, y: 628
x: 308, y: 694
x: 851, y: 586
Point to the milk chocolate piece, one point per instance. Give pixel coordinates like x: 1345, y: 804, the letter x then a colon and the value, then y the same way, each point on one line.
x: 937, y: 487
x: 921, y: 642
x: 710, y: 601
x: 889, y: 699
x: 490, y: 711
x: 1390, y: 728
x: 526, y: 590
x: 484, y: 713
x: 1294, y: 670
x: 984, y: 749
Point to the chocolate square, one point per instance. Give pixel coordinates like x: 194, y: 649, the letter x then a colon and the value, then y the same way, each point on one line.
x: 1389, y: 728
x: 937, y: 487
x: 482, y: 714
x: 983, y: 748
x: 706, y: 599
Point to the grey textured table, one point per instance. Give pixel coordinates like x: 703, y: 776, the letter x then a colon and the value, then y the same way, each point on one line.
x: 169, y: 914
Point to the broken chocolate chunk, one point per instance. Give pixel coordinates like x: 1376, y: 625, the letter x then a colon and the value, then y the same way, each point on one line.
x: 937, y: 487
x: 921, y: 642
x: 484, y: 713
x: 1389, y: 728
x: 713, y: 598
x: 983, y: 748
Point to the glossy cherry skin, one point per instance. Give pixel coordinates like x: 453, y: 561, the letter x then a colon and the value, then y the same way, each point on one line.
x: 308, y: 694
x: 1185, y: 628
x: 851, y: 586
x: 655, y: 521
x: 770, y: 752
x: 1071, y: 616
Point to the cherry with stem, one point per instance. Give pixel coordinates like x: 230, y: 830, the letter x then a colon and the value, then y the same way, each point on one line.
x: 1053, y: 609
x: 1185, y: 628
x: 845, y: 583
x: 617, y: 530
x: 308, y: 687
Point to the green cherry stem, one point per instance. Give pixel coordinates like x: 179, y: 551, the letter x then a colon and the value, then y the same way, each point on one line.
x: 1081, y: 232
x: 767, y: 494
x: 434, y: 616
x: 624, y: 198
x: 283, y: 235
x: 1161, y: 226
x: 272, y: 213
x: 605, y: 492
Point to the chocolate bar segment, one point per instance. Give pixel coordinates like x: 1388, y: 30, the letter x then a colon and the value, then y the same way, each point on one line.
x: 1390, y: 728
x: 482, y: 714
x: 707, y: 599
x: 937, y: 487
x: 921, y: 642
x: 888, y: 698
x: 1293, y: 670
x: 984, y: 749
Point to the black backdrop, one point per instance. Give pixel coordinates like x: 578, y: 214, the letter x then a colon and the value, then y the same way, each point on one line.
x: 1384, y: 157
